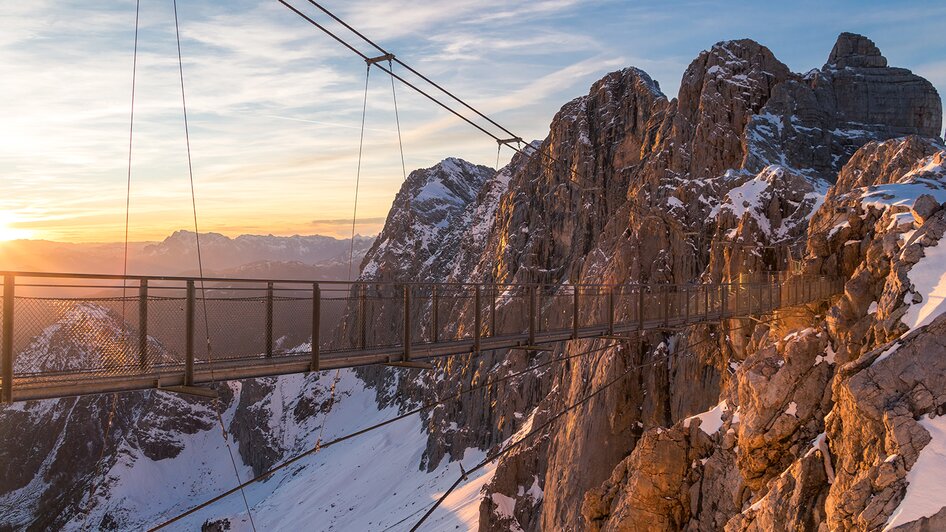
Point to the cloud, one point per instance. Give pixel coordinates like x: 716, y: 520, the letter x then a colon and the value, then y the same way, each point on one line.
x: 275, y: 105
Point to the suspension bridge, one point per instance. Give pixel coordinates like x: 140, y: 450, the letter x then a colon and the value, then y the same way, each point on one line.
x: 68, y: 334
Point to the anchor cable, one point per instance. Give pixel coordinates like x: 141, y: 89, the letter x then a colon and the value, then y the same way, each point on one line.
x: 131, y: 128
x: 200, y: 266
x: 361, y: 145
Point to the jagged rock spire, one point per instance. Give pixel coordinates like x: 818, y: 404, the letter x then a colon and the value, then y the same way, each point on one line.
x: 853, y: 50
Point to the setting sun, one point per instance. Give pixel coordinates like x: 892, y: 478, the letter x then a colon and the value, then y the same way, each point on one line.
x: 8, y: 231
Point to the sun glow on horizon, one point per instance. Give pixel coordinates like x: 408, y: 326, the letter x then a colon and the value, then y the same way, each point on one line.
x: 8, y: 229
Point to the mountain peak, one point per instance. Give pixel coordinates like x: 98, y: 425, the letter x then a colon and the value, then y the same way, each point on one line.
x: 853, y: 50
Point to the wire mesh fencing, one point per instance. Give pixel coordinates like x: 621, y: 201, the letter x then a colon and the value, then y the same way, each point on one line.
x: 70, y: 328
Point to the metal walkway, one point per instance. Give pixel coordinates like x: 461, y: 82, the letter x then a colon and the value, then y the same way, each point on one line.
x: 73, y: 334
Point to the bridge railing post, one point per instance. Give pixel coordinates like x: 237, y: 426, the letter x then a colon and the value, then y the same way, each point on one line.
x: 724, y: 299
x: 532, y: 305
x: 611, y: 310
x: 189, y: 309
x: 492, y: 310
x: 143, y: 323
x: 316, y: 326
x: 539, y: 292
x: 407, y: 323
x: 575, y: 304
x: 9, y: 288
x: 362, y: 315
x: 477, y: 319
x: 269, y: 319
x: 666, y: 304
x: 435, y: 314
x: 706, y: 307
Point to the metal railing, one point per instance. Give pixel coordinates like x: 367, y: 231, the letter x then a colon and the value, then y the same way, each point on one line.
x: 70, y: 334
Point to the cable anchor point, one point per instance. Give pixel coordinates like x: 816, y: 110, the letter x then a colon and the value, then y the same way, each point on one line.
x: 379, y: 59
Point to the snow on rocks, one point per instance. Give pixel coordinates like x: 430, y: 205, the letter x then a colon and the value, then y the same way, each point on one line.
x: 926, y: 492
x: 928, y: 278
x: 711, y: 420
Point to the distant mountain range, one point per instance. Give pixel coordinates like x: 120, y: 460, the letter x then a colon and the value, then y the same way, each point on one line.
x: 308, y: 256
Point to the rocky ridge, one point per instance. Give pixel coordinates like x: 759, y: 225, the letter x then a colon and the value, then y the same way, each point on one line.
x: 814, y: 419
x: 730, y: 149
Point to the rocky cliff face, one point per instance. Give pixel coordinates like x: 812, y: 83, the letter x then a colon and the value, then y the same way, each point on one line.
x: 819, y: 417
x: 732, y: 178
x: 749, y: 170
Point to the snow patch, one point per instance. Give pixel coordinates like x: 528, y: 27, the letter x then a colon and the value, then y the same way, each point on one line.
x: 711, y: 420
x: 792, y: 409
x: 928, y: 277
x: 889, y: 351
x: 926, y: 491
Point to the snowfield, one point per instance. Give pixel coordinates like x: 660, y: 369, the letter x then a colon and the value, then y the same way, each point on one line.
x: 369, y: 483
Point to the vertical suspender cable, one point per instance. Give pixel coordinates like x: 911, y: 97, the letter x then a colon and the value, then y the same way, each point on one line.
x: 131, y: 128
x: 397, y: 122
x: 200, y: 265
x: 361, y: 145
x: 400, y: 142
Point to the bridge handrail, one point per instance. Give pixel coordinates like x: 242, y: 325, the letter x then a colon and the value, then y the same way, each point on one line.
x: 147, y: 331
x: 774, y: 276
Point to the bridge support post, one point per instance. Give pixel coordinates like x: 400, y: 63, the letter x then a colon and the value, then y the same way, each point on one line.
x: 143, y: 323
x: 667, y: 305
x: 477, y: 319
x: 611, y: 310
x: 723, y: 291
x: 532, y: 291
x: 749, y: 297
x: 407, y: 323
x: 269, y: 319
x: 492, y: 311
x: 435, y: 315
x: 362, y: 317
x: 189, y: 309
x: 575, y: 296
x: 9, y: 286
x: 316, y: 324
x: 705, y: 302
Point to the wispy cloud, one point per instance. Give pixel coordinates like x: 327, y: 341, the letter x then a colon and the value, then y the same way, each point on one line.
x: 275, y: 106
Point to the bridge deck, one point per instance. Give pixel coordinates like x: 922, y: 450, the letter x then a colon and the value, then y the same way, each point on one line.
x: 66, y: 335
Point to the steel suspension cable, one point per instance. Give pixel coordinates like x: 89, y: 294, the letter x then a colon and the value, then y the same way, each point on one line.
x: 522, y: 151
x: 374, y: 427
x: 400, y: 143
x: 397, y: 122
x: 361, y: 145
x: 490, y: 458
x: 409, y: 68
x: 200, y: 266
x: 131, y: 128
x: 440, y: 401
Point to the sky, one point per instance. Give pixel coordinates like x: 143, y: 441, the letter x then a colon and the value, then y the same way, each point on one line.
x: 274, y: 106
